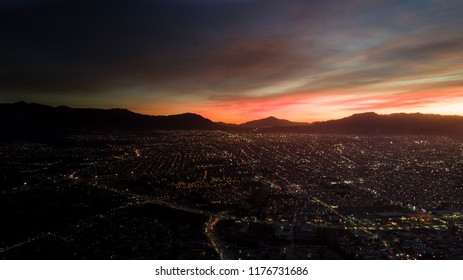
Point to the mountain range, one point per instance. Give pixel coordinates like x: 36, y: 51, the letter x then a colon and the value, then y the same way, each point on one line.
x: 26, y: 119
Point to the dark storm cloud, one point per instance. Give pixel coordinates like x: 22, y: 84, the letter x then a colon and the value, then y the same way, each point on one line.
x: 223, y: 50
x: 98, y: 45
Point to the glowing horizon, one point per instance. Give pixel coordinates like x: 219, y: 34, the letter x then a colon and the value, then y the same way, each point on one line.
x: 236, y: 61
x: 288, y: 111
x: 321, y: 107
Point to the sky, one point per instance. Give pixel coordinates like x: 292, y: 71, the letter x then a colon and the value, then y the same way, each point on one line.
x: 235, y: 60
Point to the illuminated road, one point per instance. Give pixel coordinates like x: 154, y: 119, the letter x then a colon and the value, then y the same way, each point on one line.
x: 216, y: 243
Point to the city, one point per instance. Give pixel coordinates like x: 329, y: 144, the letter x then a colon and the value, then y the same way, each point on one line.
x: 232, y: 195
x: 255, y: 138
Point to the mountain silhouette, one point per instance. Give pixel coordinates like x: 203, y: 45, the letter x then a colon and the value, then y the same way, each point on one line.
x: 29, y: 119
x: 269, y: 122
x: 372, y: 123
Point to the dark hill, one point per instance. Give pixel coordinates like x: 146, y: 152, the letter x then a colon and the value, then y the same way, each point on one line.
x: 372, y: 123
x: 30, y: 118
x: 269, y: 122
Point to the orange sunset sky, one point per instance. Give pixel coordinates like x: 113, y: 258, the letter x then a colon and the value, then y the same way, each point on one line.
x: 235, y: 61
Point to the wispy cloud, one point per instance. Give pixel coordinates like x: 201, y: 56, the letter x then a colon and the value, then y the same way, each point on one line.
x: 233, y: 59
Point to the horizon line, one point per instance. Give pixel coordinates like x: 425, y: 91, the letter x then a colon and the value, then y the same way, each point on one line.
x: 218, y: 121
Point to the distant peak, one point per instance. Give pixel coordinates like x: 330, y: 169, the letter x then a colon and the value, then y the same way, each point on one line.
x: 271, y: 118
x: 119, y: 110
x: 188, y: 115
x: 366, y: 114
x: 363, y: 115
x: 269, y: 122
